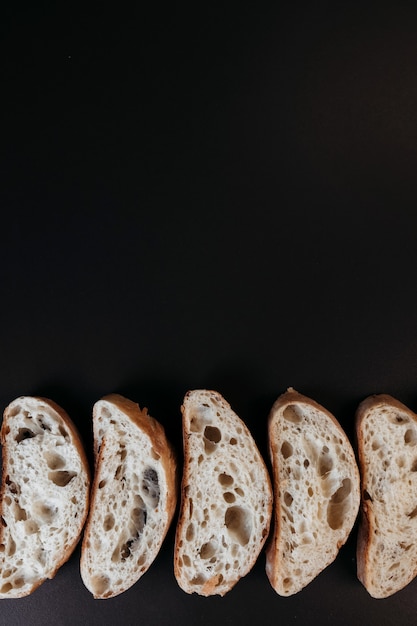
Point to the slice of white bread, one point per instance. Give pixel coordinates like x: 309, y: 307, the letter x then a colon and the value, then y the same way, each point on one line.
x: 133, y: 498
x: 226, y: 498
x: 44, y: 493
x: 316, y: 489
x: 386, y: 433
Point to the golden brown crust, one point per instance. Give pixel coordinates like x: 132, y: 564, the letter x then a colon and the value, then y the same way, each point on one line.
x: 367, y: 520
x: 162, y: 448
x: 156, y: 433
x: 211, y: 585
x: 76, y: 438
x: 291, y: 397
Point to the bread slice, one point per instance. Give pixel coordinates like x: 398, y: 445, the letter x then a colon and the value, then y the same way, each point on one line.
x: 226, y: 498
x: 44, y: 493
x: 387, y: 453
x: 133, y: 497
x: 316, y: 488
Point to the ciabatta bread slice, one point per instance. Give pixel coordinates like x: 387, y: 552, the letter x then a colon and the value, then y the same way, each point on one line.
x: 44, y: 493
x: 316, y: 488
x: 226, y: 498
x: 387, y: 537
x: 133, y: 497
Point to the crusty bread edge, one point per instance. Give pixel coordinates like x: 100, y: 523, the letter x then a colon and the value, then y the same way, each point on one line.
x: 162, y: 446
x: 210, y: 584
x: 367, y: 518
x: 291, y: 396
x: 77, y: 440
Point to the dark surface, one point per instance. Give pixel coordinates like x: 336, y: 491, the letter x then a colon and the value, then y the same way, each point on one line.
x: 209, y: 198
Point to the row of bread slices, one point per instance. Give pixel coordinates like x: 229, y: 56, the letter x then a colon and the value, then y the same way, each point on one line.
x: 228, y: 501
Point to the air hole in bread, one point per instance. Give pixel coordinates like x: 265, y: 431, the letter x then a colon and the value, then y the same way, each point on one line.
x: 293, y: 413
x: 208, y: 550
x: 226, y: 480
x: 310, y: 492
x: 109, y: 521
x: 233, y: 441
x: 229, y: 497
x: 377, y: 443
x: 13, y: 488
x: 410, y: 437
x: 102, y: 483
x: 61, y: 478
x: 399, y: 419
x: 286, y: 449
x: 287, y: 582
x: 198, y: 580
x: 119, y: 472
x: 138, y: 517
x: 123, y: 550
x: 325, y: 462
x: 413, y: 467
x: 20, y: 514
x: 288, y: 499
x: 190, y: 532
x: 99, y: 584
x: 11, y: 548
x: 239, y: 491
x: 401, y: 461
x: 200, y: 418
x: 212, y: 436
x: 44, y: 512
x: 53, y: 460
x: 339, y: 504
x: 238, y: 522
x: 150, y: 487
x: 23, y: 434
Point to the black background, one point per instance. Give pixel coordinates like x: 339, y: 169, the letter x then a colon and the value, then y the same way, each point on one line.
x: 209, y: 196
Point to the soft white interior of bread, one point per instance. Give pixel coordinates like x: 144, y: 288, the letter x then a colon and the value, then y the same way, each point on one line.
x: 44, y: 501
x: 128, y: 518
x: 225, y: 511
x: 317, y: 495
x: 389, y: 452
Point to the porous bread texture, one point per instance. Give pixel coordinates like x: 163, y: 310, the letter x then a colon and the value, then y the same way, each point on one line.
x: 44, y: 498
x: 387, y: 536
x: 226, y: 498
x: 133, y: 496
x: 316, y: 490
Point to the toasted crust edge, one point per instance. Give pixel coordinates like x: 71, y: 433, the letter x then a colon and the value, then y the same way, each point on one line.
x: 291, y: 396
x: 167, y: 457
x: 367, y: 518
x: 211, y: 583
x: 84, y: 461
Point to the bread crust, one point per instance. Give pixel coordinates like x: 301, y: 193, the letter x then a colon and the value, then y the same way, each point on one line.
x: 162, y: 449
x: 220, y: 582
x: 84, y: 506
x: 275, y: 560
x: 369, y: 524
x: 156, y: 433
